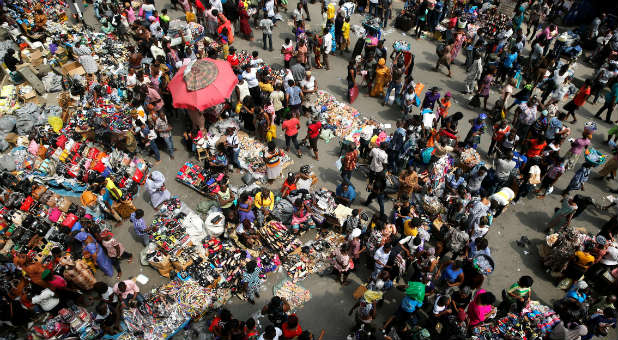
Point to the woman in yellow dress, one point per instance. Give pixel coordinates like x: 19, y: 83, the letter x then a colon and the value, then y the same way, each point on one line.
x: 382, y: 78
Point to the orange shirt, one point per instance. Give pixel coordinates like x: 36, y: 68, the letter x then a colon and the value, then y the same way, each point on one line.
x: 582, y: 94
x: 446, y: 103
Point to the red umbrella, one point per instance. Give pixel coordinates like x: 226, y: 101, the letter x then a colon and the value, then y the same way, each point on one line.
x: 202, y: 84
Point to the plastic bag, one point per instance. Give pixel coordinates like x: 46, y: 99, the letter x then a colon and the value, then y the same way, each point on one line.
x: 416, y: 291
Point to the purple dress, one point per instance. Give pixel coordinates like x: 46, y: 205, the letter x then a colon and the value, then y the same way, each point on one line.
x: 486, y: 85
x: 103, y: 260
x: 245, y: 215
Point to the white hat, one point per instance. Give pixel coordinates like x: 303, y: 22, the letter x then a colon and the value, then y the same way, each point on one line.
x: 581, y: 285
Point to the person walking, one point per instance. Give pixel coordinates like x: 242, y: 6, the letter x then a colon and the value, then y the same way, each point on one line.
x: 611, y: 98
x: 474, y: 74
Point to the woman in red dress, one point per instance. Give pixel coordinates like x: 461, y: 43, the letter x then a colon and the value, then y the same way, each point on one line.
x: 245, y: 28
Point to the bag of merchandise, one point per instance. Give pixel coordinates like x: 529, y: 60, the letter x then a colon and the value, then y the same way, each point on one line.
x: 215, y: 224
x: 162, y: 264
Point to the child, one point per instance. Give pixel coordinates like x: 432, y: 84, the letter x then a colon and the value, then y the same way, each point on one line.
x: 223, y: 37
x: 115, y: 251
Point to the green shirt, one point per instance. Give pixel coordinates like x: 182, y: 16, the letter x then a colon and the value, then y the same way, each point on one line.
x: 518, y: 291
x: 224, y: 197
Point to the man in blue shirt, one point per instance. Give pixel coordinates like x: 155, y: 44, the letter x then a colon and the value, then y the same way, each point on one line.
x: 345, y: 194
x: 507, y: 64
x: 294, y: 95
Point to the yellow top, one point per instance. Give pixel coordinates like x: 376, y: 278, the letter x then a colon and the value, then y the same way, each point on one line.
x: 345, y: 29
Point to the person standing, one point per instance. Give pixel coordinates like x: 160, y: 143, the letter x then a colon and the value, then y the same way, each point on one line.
x: 348, y: 164
x: 351, y: 79
x: 313, y: 134
x: 115, y: 251
x: 294, y: 97
x: 251, y: 281
x: 345, y: 32
x: 327, y: 45
x: 396, y: 82
x: 163, y: 129
x: 272, y: 158
x: 139, y: 226
x: 309, y: 86
x: 291, y: 127
x: 267, y: 33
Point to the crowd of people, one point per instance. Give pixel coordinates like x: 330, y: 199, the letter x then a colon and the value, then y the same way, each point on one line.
x: 446, y: 198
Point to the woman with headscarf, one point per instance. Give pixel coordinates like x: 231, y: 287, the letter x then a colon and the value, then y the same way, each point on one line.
x: 95, y: 251
x: 155, y: 186
x: 382, y: 77
x: 84, y: 54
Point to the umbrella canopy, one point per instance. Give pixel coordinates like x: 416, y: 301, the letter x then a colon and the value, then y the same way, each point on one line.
x: 202, y: 84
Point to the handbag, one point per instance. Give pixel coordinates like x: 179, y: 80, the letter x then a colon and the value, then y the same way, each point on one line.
x: 69, y: 220
x: 54, y: 214
x: 64, y: 204
x: 38, y: 191
x: 353, y: 93
x: 26, y: 204
x: 53, y: 200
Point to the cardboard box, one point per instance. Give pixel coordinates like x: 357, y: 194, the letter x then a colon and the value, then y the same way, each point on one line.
x: 72, y: 68
x: 32, y: 56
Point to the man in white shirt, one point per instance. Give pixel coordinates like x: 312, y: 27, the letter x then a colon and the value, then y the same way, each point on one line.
x: 328, y: 45
x: 271, y: 333
x: 379, y: 158
x: 249, y: 75
x: 233, y: 144
x: 297, y: 15
x: 267, y: 33
x: 381, y: 259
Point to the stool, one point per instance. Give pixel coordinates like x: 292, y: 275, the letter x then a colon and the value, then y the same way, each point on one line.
x: 202, y: 154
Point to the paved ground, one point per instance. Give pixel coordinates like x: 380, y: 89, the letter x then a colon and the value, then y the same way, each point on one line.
x: 330, y: 303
